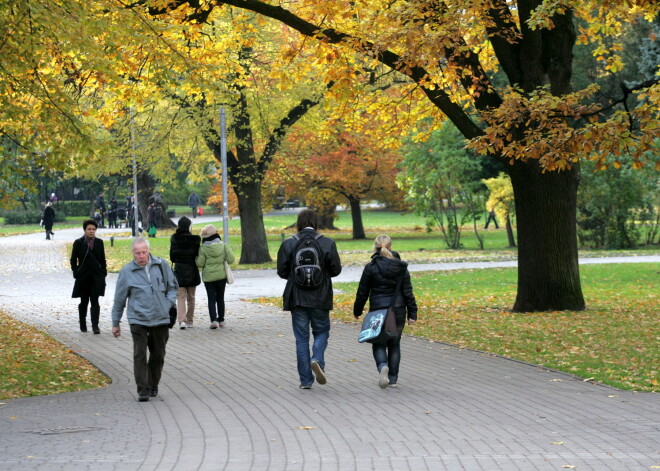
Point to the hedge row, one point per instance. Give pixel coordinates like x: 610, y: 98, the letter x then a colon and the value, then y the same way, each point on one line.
x: 29, y: 217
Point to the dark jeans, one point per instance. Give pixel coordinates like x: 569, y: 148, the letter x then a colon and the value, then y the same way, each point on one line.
x: 388, y: 354
x: 147, y: 371
x: 319, y: 319
x: 215, y: 291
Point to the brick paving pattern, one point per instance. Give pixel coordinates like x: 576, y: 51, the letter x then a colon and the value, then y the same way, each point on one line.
x: 229, y: 398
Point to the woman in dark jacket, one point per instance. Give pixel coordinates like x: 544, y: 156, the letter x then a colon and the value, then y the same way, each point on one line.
x: 184, y: 247
x: 49, y: 220
x: 378, y: 284
x: 89, y: 270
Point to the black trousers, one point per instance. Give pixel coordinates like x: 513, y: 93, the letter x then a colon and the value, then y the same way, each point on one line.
x: 148, y: 355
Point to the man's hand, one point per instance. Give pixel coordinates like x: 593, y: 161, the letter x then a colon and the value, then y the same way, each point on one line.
x: 411, y: 321
x: 116, y: 331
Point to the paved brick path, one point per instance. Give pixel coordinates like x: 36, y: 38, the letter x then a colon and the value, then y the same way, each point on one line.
x: 230, y: 400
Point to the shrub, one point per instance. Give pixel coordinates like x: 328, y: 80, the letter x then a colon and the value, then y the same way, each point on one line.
x: 29, y: 217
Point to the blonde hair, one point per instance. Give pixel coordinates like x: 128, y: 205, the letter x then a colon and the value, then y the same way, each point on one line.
x: 383, y: 246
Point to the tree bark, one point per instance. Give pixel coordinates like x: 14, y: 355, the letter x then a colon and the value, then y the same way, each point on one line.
x: 326, y: 214
x: 146, y: 185
x: 509, y: 232
x: 356, y: 216
x: 253, y: 233
x: 548, y: 269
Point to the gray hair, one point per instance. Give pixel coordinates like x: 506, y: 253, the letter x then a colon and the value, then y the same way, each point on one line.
x: 138, y: 241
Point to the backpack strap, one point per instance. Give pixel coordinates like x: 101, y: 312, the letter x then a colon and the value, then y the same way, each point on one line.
x: 316, y: 237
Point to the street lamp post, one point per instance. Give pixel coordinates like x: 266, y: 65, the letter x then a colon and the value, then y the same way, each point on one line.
x: 223, y: 161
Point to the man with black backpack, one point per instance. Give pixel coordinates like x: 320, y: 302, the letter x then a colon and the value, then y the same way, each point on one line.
x: 307, y: 261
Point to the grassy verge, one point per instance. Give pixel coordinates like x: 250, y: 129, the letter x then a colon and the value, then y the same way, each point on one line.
x: 33, y: 364
x: 614, y: 341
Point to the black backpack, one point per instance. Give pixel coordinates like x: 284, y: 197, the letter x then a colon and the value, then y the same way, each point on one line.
x: 308, y: 262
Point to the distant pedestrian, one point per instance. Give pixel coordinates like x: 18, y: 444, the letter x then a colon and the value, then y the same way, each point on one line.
x: 89, y: 270
x: 112, y: 212
x: 184, y: 248
x: 309, y: 296
x: 49, y: 219
x: 100, y: 206
x: 378, y: 284
x: 491, y: 217
x: 149, y: 286
x: 152, y: 218
x: 194, y: 202
x: 211, y: 260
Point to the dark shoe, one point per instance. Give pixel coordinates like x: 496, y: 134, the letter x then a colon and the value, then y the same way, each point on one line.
x: 83, y: 328
x: 153, y: 392
x: 96, y: 330
x: 318, y: 372
x: 143, y: 398
x: 305, y: 386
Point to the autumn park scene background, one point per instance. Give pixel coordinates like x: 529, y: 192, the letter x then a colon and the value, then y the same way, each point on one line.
x: 413, y: 118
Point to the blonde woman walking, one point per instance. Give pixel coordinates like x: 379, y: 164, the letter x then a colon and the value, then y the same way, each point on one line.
x: 378, y: 285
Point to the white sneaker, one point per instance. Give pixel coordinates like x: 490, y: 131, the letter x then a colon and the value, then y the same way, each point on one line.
x: 221, y: 324
x: 214, y: 325
x: 190, y: 326
x: 383, y: 378
x: 182, y: 326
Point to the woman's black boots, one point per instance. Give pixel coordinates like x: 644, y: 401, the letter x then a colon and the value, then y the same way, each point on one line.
x: 82, y: 317
x: 95, y: 311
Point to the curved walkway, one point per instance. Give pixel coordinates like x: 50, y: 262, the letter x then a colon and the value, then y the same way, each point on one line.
x: 229, y: 398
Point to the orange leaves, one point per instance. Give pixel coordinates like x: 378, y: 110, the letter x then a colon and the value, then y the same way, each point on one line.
x: 558, y: 131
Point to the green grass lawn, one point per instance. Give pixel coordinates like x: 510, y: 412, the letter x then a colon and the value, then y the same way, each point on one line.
x: 614, y: 341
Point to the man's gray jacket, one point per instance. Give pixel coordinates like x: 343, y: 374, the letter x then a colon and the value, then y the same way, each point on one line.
x: 149, y: 301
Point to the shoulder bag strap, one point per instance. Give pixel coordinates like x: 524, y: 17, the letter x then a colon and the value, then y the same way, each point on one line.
x: 399, y: 282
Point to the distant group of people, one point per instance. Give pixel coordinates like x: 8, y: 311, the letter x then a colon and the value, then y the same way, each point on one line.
x: 147, y: 288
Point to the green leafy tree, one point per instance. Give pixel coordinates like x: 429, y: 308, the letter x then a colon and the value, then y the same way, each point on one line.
x: 501, y: 200
x: 442, y: 181
x: 535, y: 122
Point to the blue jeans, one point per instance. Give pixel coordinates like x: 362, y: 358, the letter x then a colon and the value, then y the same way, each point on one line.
x: 319, y: 319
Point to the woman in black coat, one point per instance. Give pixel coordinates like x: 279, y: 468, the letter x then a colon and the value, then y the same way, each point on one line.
x: 49, y: 220
x: 89, y: 270
x: 378, y: 284
x: 184, y: 247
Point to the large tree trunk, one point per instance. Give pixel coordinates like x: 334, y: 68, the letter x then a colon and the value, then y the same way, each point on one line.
x: 548, y: 270
x: 509, y: 232
x: 356, y: 216
x: 327, y: 213
x: 146, y: 185
x: 253, y: 234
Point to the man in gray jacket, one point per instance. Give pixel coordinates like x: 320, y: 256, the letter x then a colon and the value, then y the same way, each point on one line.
x: 149, y: 286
